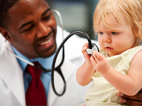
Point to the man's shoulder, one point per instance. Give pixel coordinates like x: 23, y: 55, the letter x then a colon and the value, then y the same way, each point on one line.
x: 2, y: 43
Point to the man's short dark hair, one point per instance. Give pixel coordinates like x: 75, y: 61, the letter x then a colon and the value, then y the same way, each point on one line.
x: 5, y: 5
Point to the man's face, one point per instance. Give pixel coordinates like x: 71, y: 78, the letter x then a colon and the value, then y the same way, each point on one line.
x: 32, y: 28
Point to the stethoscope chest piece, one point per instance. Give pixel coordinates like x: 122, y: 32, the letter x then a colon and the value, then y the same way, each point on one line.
x: 94, y: 48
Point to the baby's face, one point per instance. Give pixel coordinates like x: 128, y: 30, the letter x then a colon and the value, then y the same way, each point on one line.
x: 116, y: 38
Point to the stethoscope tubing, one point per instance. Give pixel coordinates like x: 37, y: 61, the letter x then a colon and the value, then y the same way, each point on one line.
x: 55, y: 57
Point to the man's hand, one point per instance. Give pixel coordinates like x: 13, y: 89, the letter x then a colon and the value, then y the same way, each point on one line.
x: 131, y: 100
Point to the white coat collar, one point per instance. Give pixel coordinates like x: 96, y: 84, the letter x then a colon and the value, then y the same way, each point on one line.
x: 12, y: 74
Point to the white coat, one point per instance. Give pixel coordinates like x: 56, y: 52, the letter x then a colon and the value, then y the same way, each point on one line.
x: 12, y: 91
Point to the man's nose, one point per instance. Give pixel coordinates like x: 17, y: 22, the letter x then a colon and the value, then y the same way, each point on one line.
x: 44, y: 30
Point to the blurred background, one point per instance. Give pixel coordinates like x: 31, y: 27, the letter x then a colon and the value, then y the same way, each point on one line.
x: 76, y: 14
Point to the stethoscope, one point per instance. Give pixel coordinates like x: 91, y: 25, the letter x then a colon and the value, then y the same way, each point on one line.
x: 92, y: 47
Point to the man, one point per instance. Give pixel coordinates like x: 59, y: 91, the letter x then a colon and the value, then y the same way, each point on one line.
x: 29, y: 28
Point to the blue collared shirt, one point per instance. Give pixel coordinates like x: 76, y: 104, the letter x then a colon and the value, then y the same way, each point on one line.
x: 45, y: 76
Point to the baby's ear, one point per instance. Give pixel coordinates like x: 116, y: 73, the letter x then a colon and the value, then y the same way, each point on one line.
x: 138, y: 29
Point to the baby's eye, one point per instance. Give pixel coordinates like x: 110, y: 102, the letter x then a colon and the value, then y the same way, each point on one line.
x: 114, y: 33
x: 100, y: 33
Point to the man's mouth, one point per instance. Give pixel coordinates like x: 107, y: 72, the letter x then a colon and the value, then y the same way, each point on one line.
x: 46, y: 42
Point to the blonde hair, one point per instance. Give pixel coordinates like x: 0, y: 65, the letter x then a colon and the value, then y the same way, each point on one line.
x: 130, y: 9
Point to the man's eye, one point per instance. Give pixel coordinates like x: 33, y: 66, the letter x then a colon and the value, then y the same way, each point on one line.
x: 47, y: 17
x: 114, y: 33
x: 28, y: 29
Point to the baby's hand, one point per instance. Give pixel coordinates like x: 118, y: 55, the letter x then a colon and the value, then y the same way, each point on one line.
x: 99, y: 62
x: 85, y: 54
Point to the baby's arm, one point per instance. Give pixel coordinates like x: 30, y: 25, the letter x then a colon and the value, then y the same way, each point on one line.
x: 84, y: 73
x: 128, y: 84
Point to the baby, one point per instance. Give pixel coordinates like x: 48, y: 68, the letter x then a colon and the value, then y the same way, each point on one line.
x: 118, y: 65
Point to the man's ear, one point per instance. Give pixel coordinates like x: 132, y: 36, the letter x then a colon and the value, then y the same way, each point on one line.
x: 5, y: 34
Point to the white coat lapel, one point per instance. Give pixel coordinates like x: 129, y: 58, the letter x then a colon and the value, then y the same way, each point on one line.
x: 12, y: 74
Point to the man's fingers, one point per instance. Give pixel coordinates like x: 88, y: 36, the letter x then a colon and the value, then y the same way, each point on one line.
x: 140, y: 91
x: 137, y: 97
x: 130, y: 102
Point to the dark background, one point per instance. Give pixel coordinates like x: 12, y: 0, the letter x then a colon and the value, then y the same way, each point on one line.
x: 76, y: 14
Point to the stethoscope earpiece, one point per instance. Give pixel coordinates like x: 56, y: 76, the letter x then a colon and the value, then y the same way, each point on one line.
x: 7, y: 37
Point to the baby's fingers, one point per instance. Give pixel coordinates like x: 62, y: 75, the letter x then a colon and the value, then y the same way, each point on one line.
x: 86, y: 44
x: 86, y: 56
x: 84, y: 47
x: 97, y: 56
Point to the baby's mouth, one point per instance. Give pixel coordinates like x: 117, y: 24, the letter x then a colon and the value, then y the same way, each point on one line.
x: 108, y: 48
